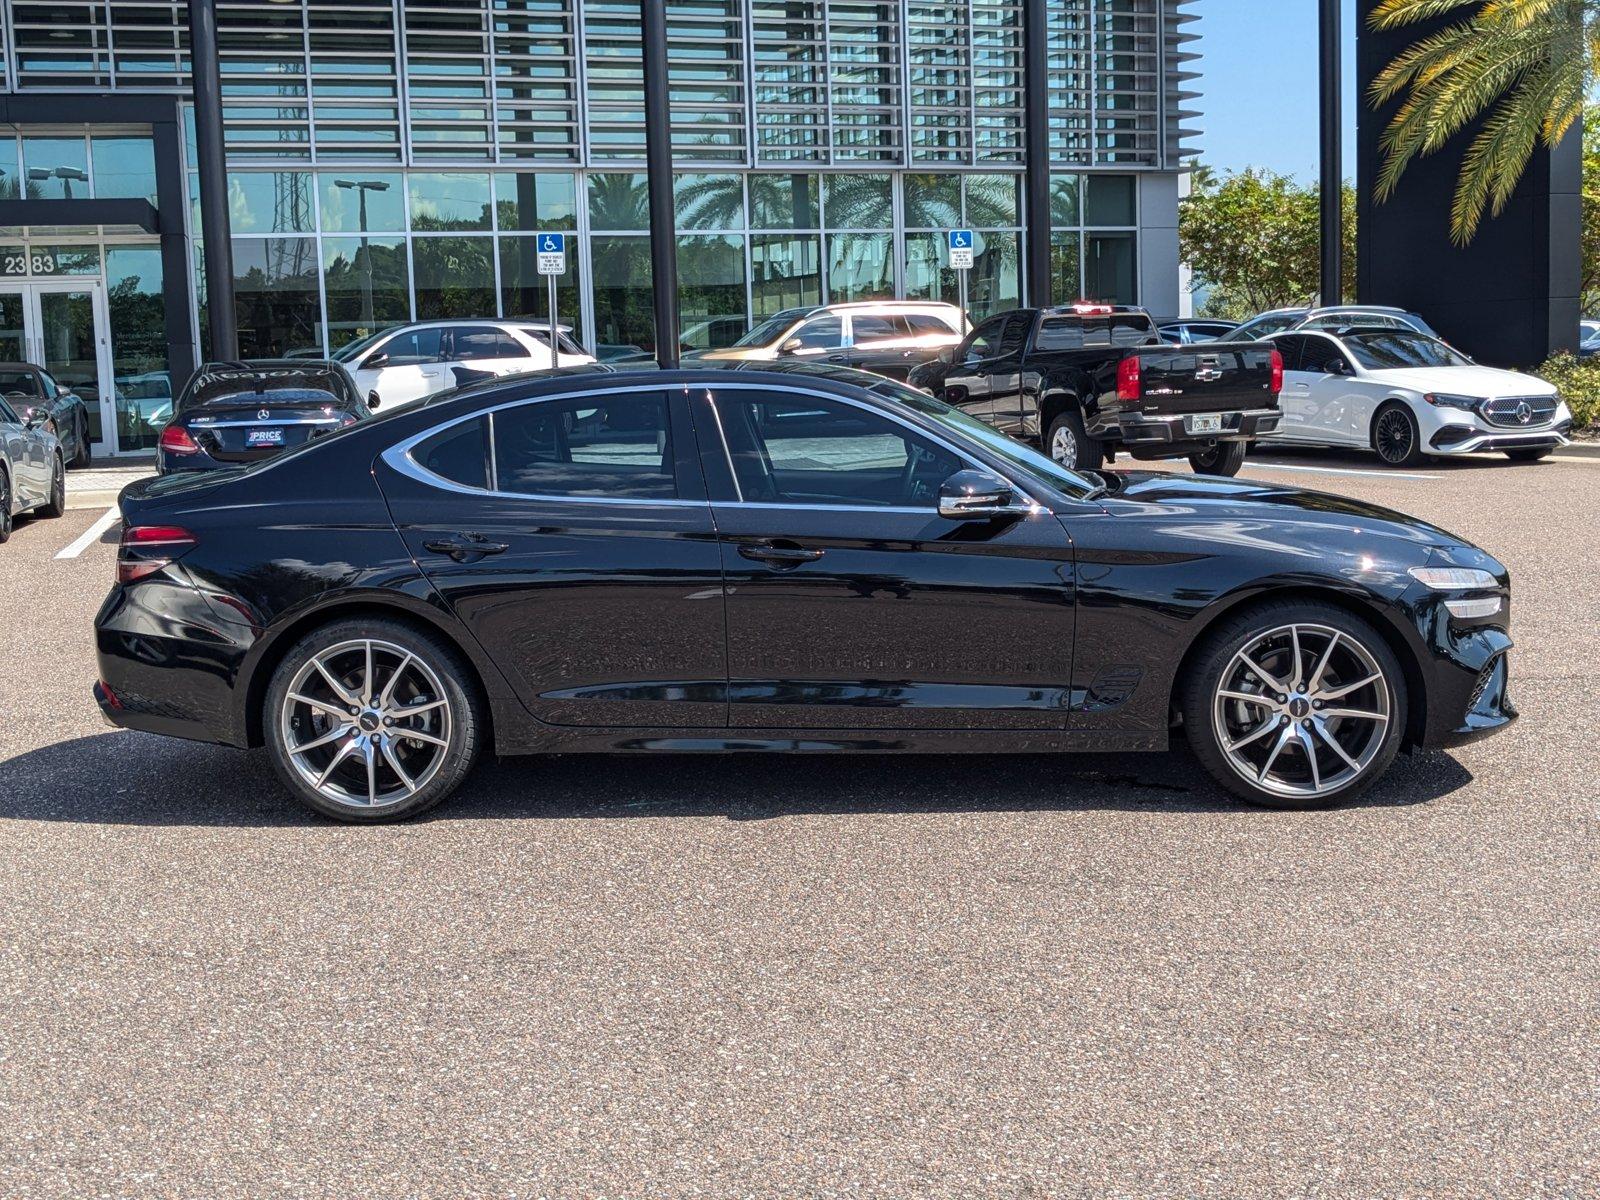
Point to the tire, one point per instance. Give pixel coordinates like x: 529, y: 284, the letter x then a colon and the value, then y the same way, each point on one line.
x: 1225, y: 458
x: 1258, y: 749
x: 1395, y: 435
x: 407, y: 776
x: 57, y: 504
x: 1070, y: 444
x: 1533, y: 455
x: 5, y: 507
x: 83, y: 456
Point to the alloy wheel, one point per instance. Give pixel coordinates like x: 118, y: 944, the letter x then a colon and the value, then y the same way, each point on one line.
x: 1301, y: 711
x: 365, y: 723
x: 1394, y: 437
x: 1064, y: 446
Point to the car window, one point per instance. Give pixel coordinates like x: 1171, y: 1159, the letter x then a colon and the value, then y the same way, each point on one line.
x: 1059, y: 333
x: 458, y: 453
x: 1382, y: 351
x: 1260, y: 328
x: 1317, y: 352
x: 867, y: 329
x: 1291, y: 347
x: 48, y: 385
x: 478, y: 342
x: 984, y: 339
x: 16, y: 381
x: 806, y: 450
x: 541, y: 335
x: 1015, y: 333
x: 411, y: 347
x: 617, y: 445
x: 922, y: 324
x: 8, y: 414
x: 820, y: 333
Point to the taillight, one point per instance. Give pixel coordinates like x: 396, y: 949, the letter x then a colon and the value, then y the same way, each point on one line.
x: 1129, y: 385
x: 1277, y: 372
x: 145, y: 549
x: 175, y: 439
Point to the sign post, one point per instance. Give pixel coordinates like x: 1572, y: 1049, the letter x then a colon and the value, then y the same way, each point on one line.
x: 553, y: 262
x: 960, y: 242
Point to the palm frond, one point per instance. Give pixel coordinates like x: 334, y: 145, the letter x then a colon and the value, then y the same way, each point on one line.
x: 1522, y: 14
x: 1494, y: 163
x: 1391, y: 14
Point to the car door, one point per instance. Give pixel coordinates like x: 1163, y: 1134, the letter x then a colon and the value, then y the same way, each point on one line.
x: 1337, y: 409
x: 968, y: 383
x: 485, y: 348
x: 1294, y: 401
x: 820, y: 339
x: 30, y: 480
x: 880, y: 343
x: 572, y: 537
x: 851, y: 603
x: 405, y: 367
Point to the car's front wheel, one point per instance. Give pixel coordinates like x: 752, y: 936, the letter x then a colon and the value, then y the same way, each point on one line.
x: 1225, y: 458
x: 372, y: 720
x: 1395, y: 436
x: 1295, y: 705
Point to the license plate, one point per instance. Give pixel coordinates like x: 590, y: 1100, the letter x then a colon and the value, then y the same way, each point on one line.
x: 1206, y: 423
x: 264, y: 437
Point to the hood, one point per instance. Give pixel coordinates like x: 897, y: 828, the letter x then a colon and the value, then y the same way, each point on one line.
x: 1276, y: 516
x: 1465, y: 381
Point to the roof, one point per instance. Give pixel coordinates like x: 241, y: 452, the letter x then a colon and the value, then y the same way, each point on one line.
x: 19, y: 366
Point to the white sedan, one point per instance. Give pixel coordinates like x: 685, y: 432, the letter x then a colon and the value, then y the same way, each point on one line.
x: 1409, y: 396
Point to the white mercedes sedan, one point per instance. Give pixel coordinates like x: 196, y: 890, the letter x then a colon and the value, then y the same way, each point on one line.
x: 1408, y: 397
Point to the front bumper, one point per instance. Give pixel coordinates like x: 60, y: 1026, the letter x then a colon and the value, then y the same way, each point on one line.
x: 1465, y: 439
x: 1140, y: 430
x: 1467, y: 671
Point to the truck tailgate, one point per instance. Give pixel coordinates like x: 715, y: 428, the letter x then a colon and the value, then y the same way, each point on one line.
x: 1205, y: 378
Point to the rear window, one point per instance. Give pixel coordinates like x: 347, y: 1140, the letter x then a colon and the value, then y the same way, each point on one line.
x: 458, y: 454
x: 287, y: 385
x: 1094, y: 333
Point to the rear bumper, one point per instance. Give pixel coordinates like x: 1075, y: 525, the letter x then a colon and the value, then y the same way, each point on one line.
x: 1146, y: 430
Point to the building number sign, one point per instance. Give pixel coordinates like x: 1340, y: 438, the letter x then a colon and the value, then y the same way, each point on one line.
x: 17, y: 262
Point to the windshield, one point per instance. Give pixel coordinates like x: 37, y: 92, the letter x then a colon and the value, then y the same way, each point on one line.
x: 767, y: 332
x: 1261, y: 327
x: 1391, y: 351
x: 351, y: 350
x: 1014, y: 453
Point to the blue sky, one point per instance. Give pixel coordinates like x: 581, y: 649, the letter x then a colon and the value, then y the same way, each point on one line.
x: 1258, y: 85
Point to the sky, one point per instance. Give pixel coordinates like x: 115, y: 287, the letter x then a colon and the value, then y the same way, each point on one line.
x: 1258, y: 85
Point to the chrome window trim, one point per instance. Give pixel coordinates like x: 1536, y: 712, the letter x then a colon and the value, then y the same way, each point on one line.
x: 398, y: 456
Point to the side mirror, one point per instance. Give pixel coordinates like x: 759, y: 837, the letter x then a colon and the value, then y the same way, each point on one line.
x: 792, y: 346
x: 973, y: 495
x: 947, y: 355
x: 372, y: 400
x: 1336, y: 366
x: 376, y: 361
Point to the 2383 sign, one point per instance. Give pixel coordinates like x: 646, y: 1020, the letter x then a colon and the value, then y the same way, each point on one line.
x: 37, y: 263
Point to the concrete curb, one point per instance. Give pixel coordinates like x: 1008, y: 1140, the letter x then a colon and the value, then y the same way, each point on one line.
x: 94, y: 498
x: 1579, y: 450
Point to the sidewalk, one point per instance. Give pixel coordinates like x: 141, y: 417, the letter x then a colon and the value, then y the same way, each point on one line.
x: 97, y: 486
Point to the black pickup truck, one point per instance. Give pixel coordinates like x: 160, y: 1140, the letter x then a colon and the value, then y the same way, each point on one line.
x: 1087, y: 380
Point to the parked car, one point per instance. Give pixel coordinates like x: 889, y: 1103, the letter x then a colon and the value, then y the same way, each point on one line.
x: 713, y: 333
x: 32, y: 391
x: 802, y: 559
x: 886, y: 337
x: 1342, y: 316
x: 231, y: 413
x: 1086, y: 380
x: 408, y: 362
x: 33, y: 471
x: 1407, y: 396
x: 1191, y: 330
x: 1588, y: 338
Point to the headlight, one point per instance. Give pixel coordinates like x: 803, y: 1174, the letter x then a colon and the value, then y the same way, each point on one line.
x: 1453, y: 579
x: 1445, y: 400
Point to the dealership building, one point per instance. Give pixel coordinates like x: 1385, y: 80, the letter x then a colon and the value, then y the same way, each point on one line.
x: 391, y: 160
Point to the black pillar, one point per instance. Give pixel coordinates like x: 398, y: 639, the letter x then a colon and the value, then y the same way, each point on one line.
x: 1332, y: 76
x: 213, y: 168
x: 1510, y: 297
x: 172, y: 195
x: 1036, y: 134
x: 658, y: 164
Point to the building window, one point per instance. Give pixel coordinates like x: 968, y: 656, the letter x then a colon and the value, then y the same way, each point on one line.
x: 1094, y: 239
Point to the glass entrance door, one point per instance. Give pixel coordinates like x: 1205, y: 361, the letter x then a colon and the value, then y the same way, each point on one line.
x: 61, y: 326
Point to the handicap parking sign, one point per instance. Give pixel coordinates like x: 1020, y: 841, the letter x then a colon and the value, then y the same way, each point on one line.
x: 961, y: 249
x: 552, y: 248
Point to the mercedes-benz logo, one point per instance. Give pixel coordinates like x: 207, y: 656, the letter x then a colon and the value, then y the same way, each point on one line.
x: 264, y: 414
x: 1524, y: 412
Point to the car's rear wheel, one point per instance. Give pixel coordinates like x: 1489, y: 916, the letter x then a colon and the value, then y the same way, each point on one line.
x: 1295, y: 705
x: 5, y: 506
x: 1530, y: 454
x: 1395, y: 436
x: 372, y: 720
x: 1225, y: 458
x: 1070, y: 444
x: 57, y: 504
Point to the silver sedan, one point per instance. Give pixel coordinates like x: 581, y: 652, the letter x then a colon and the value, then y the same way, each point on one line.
x: 33, y: 477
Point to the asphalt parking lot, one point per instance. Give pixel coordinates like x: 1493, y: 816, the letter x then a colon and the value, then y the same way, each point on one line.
x: 770, y: 977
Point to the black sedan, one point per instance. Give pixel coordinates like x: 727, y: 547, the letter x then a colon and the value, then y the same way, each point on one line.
x: 811, y: 559
x: 34, y: 395
x: 233, y: 413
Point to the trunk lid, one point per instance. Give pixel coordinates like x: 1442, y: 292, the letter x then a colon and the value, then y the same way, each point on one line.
x: 1205, y: 378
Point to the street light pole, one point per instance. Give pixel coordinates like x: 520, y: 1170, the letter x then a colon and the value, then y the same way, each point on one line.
x: 361, y: 187
x: 658, y: 164
x: 1036, y: 140
x: 211, y: 160
x: 1330, y: 126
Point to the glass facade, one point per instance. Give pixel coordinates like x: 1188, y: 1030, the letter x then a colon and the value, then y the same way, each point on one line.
x: 391, y: 160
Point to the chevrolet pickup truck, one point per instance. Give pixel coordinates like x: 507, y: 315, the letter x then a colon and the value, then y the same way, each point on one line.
x: 1085, y: 381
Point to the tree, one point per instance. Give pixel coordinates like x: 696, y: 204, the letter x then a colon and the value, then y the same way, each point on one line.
x: 1254, y: 237
x: 1531, y: 61
x: 1589, y: 236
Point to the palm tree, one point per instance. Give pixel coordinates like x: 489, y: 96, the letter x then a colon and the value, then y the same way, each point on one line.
x: 1531, y: 61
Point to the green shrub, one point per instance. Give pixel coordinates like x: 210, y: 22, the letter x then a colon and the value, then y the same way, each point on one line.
x: 1579, y: 381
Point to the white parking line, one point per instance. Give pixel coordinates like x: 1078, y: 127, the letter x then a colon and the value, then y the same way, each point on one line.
x: 92, y: 534
x: 1336, y: 471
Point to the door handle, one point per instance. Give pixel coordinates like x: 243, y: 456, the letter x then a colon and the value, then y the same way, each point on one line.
x: 835, y: 358
x: 778, y: 556
x: 465, y: 547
